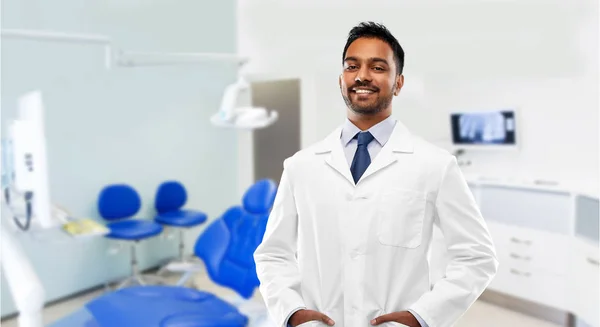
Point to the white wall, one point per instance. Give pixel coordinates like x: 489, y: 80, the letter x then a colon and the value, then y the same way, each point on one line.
x: 539, y: 57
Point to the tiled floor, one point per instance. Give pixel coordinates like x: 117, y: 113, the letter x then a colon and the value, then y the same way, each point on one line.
x: 480, y: 314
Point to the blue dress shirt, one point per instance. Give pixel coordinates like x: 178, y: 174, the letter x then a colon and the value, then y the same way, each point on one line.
x: 381, y: 132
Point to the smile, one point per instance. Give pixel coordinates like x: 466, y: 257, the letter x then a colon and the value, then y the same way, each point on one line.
x: 363, y: 91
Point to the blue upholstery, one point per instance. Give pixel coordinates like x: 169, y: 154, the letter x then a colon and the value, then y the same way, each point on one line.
x: 164, y: 306
x: 118, y: 201
x: 121, y: 201
x: 182, y: 218
x: 171, y: 196
x: 259, y: 198
x: 228, y: 244
x: 133, y: 229
x: 227, y: 247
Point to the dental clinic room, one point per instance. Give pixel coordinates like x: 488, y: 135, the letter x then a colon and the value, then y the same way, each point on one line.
x: 274, y: 163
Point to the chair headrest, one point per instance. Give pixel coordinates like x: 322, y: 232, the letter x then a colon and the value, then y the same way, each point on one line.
x: 118, y: 201
x: 259, y: 198
x: 170, y: 196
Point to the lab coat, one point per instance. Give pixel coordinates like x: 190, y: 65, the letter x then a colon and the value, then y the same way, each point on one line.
x: 355, y: 252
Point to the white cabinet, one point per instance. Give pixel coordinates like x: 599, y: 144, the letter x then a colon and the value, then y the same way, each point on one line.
x: 547, y: 210
x: 533, y: 264
x: 585, y: 286
x: 585, y: 263
x: 531, y: 231
x: 547, y: 244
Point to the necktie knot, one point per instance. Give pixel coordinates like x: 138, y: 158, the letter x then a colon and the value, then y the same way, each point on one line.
x: 364, y: 138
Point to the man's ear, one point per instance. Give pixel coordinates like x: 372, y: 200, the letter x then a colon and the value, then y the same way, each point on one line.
x: 398, y: 84
x: 340, y: 81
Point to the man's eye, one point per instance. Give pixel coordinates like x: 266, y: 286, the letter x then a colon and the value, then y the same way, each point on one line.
x: 351, y: 67
x: 379, y: 68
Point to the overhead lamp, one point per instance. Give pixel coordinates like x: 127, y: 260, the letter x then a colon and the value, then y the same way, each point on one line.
x: 229, y: 115
x: 242, y: 117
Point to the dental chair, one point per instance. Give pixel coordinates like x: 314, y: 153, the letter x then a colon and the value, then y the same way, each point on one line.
x: 226, y: 246
x: 170, y: 198
x: 118, y: 203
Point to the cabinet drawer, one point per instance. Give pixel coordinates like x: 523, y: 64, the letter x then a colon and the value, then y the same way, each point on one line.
x: 532, y: 285
x: 528, y: 249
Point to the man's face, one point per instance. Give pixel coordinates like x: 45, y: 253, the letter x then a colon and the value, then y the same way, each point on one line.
x: 369, y: 79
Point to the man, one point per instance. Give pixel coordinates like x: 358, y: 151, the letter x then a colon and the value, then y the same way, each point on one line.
x: 348, y: 238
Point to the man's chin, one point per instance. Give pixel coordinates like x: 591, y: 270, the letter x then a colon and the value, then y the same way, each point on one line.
x: 367, y: 111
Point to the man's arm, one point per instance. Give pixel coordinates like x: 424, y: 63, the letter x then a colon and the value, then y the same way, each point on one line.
x: 473, y: 262
x: 419, y: 319
x: 275, y: 257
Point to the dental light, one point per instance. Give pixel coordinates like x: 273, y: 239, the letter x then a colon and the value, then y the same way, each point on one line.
x: 244, y: 117
x: 229, y: 115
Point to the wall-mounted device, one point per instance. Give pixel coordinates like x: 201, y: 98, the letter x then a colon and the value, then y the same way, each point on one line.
x: 493, y: 129
x: 30, y: 167
x: 25, y: 170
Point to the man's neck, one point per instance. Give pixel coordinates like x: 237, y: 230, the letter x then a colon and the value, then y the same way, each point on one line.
x: 364, y: 122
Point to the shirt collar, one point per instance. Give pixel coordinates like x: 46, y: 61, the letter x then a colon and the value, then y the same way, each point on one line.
x: 381, y: 131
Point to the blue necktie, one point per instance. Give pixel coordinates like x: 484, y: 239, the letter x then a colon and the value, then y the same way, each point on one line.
x: 361, y: 160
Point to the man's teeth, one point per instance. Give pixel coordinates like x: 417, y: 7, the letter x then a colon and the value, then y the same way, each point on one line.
x: 363, y: 91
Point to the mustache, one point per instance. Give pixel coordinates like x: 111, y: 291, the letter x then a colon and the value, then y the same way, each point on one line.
x: 365, y: 85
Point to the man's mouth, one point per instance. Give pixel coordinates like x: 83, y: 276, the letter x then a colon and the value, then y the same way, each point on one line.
x: 364, y: 91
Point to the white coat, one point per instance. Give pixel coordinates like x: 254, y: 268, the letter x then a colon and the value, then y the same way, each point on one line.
x: 355, y: 252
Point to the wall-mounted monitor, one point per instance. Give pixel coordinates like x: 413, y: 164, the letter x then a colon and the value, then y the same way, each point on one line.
x: 484, y: 129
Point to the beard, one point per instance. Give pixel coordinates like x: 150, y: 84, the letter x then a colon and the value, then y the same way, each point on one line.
x: 370, y: 109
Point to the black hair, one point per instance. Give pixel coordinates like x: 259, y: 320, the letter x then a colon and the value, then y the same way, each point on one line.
x: 377, y: 31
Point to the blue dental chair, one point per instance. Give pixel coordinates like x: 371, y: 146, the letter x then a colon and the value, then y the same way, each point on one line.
x: 118, y: 203
x: 226, y: 246
x: 170, y: 198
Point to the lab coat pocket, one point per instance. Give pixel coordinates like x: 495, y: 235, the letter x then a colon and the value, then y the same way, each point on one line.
x: 401, y: 215
x: 311, y: 323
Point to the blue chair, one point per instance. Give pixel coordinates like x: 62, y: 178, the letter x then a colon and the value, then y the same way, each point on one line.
x: 117, y: 203
x: 170, y: 198
x: 227, y: 247
x: 163, y: 306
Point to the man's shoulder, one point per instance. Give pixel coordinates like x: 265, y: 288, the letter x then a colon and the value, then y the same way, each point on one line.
x: 434, y: 153
x: 303, y: 155
x: 309, y: 152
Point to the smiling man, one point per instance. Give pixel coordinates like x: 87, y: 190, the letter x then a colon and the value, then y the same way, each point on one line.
x: 348, y: 239
x: 369, y: 80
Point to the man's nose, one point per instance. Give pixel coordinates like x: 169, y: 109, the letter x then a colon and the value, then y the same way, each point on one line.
x: 363, y: 75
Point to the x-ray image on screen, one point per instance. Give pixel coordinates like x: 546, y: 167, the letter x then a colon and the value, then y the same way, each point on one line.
x: 497, y: 127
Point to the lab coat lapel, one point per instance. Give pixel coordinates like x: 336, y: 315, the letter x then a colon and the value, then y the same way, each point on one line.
x: 400, y: 142
x: 331, y: 149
